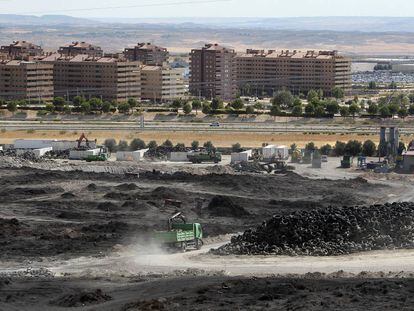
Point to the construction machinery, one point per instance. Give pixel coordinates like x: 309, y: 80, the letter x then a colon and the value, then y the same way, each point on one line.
x: 201, y: 157
x: 296, y: 156
x: 180, y: 235
x: 103, y: 155
x: 82, y: 138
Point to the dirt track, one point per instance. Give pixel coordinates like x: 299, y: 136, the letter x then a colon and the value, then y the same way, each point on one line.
x: 84, y: 228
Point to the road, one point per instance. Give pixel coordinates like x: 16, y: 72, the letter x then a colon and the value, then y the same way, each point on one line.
x: 247, y: 127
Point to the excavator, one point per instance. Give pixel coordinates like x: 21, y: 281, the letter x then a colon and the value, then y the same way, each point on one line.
x: 81, y: 138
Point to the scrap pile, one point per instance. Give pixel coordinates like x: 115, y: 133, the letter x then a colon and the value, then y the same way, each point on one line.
x: 330, y: 231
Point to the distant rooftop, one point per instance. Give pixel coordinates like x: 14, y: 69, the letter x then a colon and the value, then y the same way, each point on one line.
x: 290, y: 54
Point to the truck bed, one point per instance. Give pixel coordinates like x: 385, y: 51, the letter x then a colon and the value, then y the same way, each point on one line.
x: 169, y: 237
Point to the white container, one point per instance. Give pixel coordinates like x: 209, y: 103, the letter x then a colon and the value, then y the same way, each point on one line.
x: 41, y: 152
x: 82, y: 154
x: 237, y: 157
x: 283, y: 151
x: 62, y: 145
x: 268, y: 151
x: 32, y: 143
x: 131, y: 155
x: 179, y: 156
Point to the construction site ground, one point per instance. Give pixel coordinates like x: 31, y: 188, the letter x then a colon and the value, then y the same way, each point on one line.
x: 74, y: 235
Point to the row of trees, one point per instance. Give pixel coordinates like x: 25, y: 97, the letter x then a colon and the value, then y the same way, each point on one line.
x: 137, y: 144
x: 353, y: 147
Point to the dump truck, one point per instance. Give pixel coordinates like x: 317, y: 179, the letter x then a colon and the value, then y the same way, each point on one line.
x: 103, y: 155
x: 180, y: 235
x: 201, y: 157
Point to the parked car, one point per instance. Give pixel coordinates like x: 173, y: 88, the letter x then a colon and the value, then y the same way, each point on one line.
x: 214, y: 124
x: 324, y: 158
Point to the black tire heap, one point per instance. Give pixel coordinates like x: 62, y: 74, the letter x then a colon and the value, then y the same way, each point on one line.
x: 329, y: 231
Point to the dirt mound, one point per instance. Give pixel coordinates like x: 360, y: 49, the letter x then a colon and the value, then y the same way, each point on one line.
x: 9, y: 226
x: 126, y: 187
x: 167, y: 193
x: 116, y: 196
x: 91, y: 187
x: 68, y: 195
x: 331, y: 231
x: 82, y: 299
x: 70, y: 215
x: 223, y: 206
x: 107, y: 206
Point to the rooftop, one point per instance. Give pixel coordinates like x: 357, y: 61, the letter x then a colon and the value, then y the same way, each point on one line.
x: 295, y: 54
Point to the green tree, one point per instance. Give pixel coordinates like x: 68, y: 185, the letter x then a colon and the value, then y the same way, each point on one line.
x: 152, y: 144
x: 411, y: 110
x: 326, y: 149
x: 78, y: 100
x: 384, y: 111
x: 310, y: 146
x: 85, y: 107
x: 12, y: 106
x: 196, y: 105
x: 133, y: 103
x: 372, y: 109
x: 67, y: 109
x: 180, y: 147
x: 96, y: 104
x: 195, y: 145
x: 312, y: 96
x: 59, y: 102
x: 187, y: 108
x: 137, y: 144
x: 284, y: 99
x: 110, y: 143
x: 106, y: 106
x: 354, y: 109
x: 206, y: 108
x: 338, y: 92
x: 393, y: 108
x: 236, y: 148
x: 344, y: 111
x: 402, y: 112
x: 353, y: 148
x: 332, y: 108
x: 124, y: 108
x: 339, y: 148
x: 216, y: 104
x: 310, y: 110
x: 167, y: 144
x: 209, y: 146
x: 372, y: 85
x: 50, y: 108
x: 237, y: 104
x: 297, y: 111
x: 177, y: 103
x: 122, y: 145
x: 250, y: 110
x: 275, y: 111
x: 369, y: 148
x: 319, y: 112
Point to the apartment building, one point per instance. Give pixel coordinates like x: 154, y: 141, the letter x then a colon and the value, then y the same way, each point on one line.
x: 212, y: 72
x: 258, y: 71
x: 80, y: 48
x: 111, y: 79
x: 161, y: 83
x: 24, y: 80
x: 148, y: 54
x: 21, y: 50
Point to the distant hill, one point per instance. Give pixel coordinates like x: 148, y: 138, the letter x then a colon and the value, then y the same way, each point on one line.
x: 28, y: 20
x: 363, y: 24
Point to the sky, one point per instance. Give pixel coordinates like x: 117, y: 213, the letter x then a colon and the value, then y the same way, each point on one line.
x: 204, y: 8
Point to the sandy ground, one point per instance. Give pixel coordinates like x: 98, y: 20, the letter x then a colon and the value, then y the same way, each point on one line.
x: 220, y: 139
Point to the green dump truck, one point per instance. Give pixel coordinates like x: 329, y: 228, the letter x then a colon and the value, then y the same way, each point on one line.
x: 180, y: 235
x: 201, y: 157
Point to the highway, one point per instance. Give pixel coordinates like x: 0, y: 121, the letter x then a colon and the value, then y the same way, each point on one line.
x: 247, y: 127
